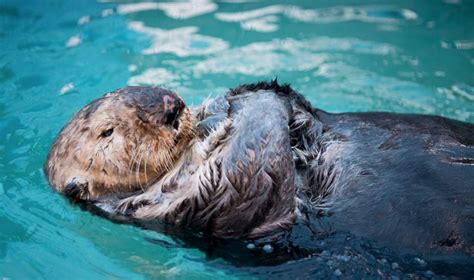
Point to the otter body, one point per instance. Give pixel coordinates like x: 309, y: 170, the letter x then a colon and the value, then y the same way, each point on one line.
x: 395, y: 178
x: 404, y: 180
x: 261, y: 158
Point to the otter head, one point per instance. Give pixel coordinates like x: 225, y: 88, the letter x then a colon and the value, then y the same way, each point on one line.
x: 119, y: 143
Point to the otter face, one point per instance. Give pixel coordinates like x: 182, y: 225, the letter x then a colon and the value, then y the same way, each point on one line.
x: 119, y: 143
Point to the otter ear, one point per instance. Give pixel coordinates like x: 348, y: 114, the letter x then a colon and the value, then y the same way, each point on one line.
x: 75, y: 187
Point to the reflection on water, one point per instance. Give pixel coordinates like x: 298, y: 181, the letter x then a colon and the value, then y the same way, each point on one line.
x: 263, y: 19
x: 181, y: 41
x: 56, y: 56
x: 460, y: 45
x: 179, y: 10
x: 73, y: 41
x: 154, y: 76
x: 264, y: 58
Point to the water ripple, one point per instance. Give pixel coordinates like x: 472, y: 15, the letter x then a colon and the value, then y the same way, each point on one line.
x: 265, y: 58
x: 342, y: 58
x: 154, y: 76
x: 179, y: 10
x: 180, y: 41
x: 261, y: 20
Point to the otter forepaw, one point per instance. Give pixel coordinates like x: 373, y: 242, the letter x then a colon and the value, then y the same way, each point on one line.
x: 129, y: 205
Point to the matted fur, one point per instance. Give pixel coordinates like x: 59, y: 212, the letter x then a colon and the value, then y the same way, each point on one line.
x: 238, y: 181
x: 236, y: 177
x: 250, y: 161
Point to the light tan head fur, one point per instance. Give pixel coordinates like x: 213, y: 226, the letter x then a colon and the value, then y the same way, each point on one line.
x: 122, y: 142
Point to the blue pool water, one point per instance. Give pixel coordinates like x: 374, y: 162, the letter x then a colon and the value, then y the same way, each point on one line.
x: 56, y: 56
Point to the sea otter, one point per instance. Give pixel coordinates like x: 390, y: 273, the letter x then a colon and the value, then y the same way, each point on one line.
x: 250, y: 163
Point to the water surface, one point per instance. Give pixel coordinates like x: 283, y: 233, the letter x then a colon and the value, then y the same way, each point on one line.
x: 56, y: 56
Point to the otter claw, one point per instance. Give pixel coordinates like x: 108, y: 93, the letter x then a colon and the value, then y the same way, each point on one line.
x: 129, y: 205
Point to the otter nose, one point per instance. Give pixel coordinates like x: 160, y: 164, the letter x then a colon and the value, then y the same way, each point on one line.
x: 172, y: 108
x: 155, y: 105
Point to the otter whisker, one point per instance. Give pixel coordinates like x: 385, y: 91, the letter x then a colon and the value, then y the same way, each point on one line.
x: 152, y: 159
x: 130, y: 167
x: 146, y: 162
x: 159, y: 165
x: 90, y: 164
x: 137, y: 171
x: 137, y: 168
x: 104, y: 158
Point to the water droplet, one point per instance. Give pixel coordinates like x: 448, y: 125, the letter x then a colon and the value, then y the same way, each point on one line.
x: 268, y: 248
x: 419, y: 261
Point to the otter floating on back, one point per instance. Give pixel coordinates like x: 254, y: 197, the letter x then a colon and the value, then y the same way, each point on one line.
x: 252, y: 162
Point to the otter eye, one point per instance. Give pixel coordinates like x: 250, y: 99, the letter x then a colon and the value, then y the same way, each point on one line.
x: 107, y: 133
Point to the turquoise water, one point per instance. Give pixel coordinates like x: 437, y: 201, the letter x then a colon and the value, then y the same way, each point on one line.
x: 56, y: 56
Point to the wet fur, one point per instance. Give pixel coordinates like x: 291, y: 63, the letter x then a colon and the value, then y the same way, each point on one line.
x: 234, y: 182
x: 84, y: 165
x: 262, y: 157
x: 398, y: 179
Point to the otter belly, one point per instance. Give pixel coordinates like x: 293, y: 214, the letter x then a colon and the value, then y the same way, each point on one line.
x: 406, y: 181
